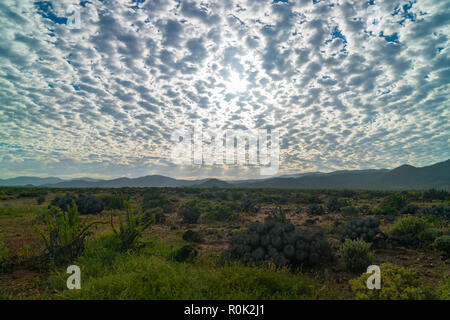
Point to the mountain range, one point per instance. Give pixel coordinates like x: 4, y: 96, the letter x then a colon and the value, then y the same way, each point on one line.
x: 401, y: 178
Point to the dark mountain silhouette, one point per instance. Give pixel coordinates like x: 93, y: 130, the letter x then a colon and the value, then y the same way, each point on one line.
x: 401, y: 178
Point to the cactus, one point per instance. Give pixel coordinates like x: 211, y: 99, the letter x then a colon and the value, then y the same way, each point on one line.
x: 366, y: 229
x: 280, y: 243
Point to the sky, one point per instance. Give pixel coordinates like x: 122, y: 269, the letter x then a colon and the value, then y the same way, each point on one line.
x: 348, y: 84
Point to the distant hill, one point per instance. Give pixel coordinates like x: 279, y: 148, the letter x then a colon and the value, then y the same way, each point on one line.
x: 23, y: 181
x: 213, y: 183
x: 402, y: 178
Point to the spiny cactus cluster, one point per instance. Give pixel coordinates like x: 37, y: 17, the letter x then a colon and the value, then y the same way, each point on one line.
x: 365, y: 228
x: 280, y: 243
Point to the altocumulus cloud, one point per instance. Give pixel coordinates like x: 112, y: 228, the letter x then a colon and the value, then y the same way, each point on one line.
x: 349, y: 84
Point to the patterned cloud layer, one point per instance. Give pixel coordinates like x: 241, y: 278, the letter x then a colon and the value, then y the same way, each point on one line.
x: 362, y: 84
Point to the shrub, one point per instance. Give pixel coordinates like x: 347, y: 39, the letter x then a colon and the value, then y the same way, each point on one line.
x: 63, y: 202
x: 85, y: 204
x: 3, y: 257
x: 222, y: 195
x: 395, y: 200
x: 157, y: 200
x: 392, y: 204
x: 156, y: 213
x: 190, y: 211
x: 315, y: 209
x: 280, y: 243
x: 409, y: 209
x: 236, y: 196
x: 250, y: 205
x: 185, y: 254
x: 192, y: 236
x: 349, y: 210
x: 130, y: 232
x: 278, y: 215
x: 348, y: 193
x: 89, y: 204
x: 443, y: 290
x: 312, y: 199
x: 434, y: 194
x: 64, y: 234
x: 219, y: 212
x: 115, y: 201
x: 31, y: 193
x: 443, y: 244
x: 40, y: 200
x: 408, y: 229
x: 429, y: 234
x: 366, y: 229
x: 335, y: 205
x: 397, y: 283
x: 440, y: 212
x: 356, y: 255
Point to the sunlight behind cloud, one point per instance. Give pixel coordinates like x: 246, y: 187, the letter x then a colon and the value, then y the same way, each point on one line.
x: 236, y: 83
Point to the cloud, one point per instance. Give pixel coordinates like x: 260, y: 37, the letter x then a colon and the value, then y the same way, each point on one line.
x: 348, y: 84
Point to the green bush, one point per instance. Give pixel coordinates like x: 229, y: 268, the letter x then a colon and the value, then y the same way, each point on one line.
x: 392, y: 204
x: 335, y: 205
x: 192, y: 236
x: 439, y: 212
x: 429, y: 234
x: 409, y: 209
x: 157, y: 213
x: 223, y: 195
x: 434, y: 194
x: 443, y: 244
x: 397, y: 283
x: 115, y: 201
x: 3, y: 257
x: 131, y: 230
x: 190, y: 211
x: 250, y: 205
x: 443, y: 290
x: 395, y: 200
x: 85, y: 204
x: 157, y: 200
x: 312, y: 199
x: 356, y: 255
x: 407, y: 229
x: 315, y: 209
x: 349, y: 210
x: 40, y: 200
x: 31, y: 193
x: 64, y: 234
x: 218, y: 212
x: 185, y: 254
x: 236, y: 196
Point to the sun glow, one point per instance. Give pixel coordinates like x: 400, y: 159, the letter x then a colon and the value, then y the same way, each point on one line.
x: 235, y: 83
